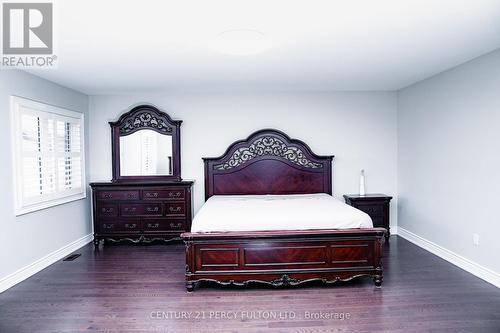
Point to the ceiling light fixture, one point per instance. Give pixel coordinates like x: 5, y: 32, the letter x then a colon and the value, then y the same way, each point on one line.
x: 241, y: 42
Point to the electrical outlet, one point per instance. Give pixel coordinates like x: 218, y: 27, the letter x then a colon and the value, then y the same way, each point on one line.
x: 475, y: 239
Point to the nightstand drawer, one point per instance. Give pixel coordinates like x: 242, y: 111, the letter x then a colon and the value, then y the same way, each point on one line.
x: 379, y: 221
x: 372, y: 210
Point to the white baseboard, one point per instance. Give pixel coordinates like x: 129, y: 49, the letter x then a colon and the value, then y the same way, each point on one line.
x: 480, y: 271
x: 31, y: 269
x: 394, y: 230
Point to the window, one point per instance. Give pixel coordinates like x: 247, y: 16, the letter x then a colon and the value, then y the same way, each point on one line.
x: 48, y: 150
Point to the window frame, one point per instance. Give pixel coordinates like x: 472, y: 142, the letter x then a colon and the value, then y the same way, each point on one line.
x: 21, y: 205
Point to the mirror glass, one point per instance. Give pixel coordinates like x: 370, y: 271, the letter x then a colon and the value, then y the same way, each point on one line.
x: 146, y: 153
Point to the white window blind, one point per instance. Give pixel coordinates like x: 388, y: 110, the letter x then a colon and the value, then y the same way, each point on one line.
x: 48, y: 155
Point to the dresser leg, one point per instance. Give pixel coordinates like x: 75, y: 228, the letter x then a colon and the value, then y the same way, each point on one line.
x: 189, y: 286
x: 378, y: 280
x: 96, y: 242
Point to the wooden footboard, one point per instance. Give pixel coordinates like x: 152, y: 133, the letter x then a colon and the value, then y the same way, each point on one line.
x: 283, y: 258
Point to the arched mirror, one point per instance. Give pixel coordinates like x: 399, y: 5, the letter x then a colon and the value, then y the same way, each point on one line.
x: 146, y: 146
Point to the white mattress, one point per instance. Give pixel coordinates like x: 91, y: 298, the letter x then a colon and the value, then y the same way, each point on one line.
x: 277, y: 212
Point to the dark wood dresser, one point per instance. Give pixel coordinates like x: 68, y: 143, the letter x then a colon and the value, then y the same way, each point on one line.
x: 141, y: 212
x: 375, y: 205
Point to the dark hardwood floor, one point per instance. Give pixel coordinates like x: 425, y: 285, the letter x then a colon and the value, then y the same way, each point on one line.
x: 126, y: 288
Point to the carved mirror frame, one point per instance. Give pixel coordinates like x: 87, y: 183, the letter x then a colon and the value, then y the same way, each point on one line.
x: 146, y: 117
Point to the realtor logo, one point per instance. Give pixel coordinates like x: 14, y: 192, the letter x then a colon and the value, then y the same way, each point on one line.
x: 27, y: 28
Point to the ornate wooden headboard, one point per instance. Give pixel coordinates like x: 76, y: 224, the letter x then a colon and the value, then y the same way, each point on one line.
x: 268, y: 162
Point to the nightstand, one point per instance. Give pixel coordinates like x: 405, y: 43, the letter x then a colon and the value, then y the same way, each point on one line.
x: 375, y: 205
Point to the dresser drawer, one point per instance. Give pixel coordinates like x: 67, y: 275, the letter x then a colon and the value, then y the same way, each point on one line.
x: 175, y: 208
x: 120, y: 226
x: 372, y: 210
x: 152, y: 225
x: 118, y: 195
x: 154, y: 209
x: 164, y: 194
x: 107, y: 210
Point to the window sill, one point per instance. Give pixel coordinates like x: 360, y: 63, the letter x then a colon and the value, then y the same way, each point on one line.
x: 18, y: 211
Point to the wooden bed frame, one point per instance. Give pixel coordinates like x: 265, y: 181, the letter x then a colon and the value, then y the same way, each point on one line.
x: 269, y: 162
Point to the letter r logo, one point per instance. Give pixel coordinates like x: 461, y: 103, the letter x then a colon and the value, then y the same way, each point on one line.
x: 27, y: 28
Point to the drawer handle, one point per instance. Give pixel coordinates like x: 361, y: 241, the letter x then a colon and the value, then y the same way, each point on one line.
x: 130, y: 209
x: 131, y: 196
x: 108, y: 226
x: 130, y: 226
x: 176, y: 225
x: 174, y: 194
x: 152, y: 194
x: 175, y: 209
x: 107, y: 210
x: 153, y: 209
x: 107, y: 195
x: 156, y: 225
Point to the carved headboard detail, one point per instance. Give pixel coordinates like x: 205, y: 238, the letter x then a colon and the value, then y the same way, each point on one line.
x: 268, y: 162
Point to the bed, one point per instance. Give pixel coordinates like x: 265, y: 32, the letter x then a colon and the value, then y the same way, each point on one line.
x: 269, y: 217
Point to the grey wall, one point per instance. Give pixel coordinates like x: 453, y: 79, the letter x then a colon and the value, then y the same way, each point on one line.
x: 449, y: 159
x: 27, y: 238
x: 359, y: 128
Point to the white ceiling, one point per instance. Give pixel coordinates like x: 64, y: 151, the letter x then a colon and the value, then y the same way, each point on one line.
x: 130, y: 46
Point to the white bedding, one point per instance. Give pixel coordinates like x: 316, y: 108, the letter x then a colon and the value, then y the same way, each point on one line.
x: 277, y: 212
